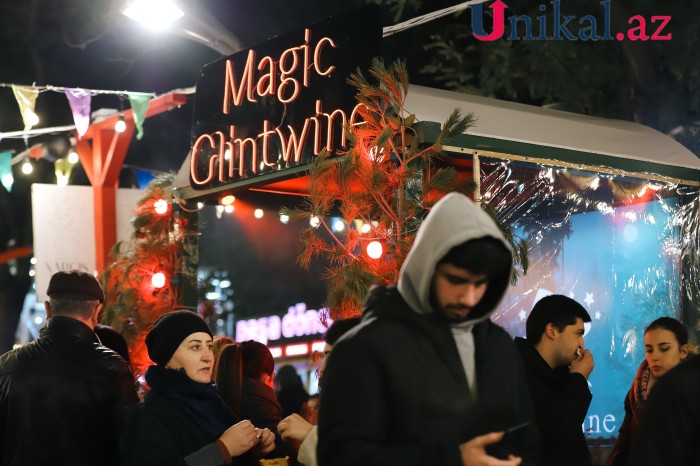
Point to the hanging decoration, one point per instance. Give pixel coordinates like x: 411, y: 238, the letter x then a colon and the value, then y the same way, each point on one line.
x: 79, y: 100
x: 141, y: 282
x: 26, y: 99
x: 139, y: 106
x: 6, y: 170
x: 63, y: 168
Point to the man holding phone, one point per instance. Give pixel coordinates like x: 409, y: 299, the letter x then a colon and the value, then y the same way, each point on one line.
x: 557, y: 368
x: 426, y: 378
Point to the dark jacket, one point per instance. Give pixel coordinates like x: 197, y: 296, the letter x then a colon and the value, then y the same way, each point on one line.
x: 561, y: 401
x: 63, y: 398
x: 260, y: 406
x: 395, y: 391
x: 669, y: 431
x: 634, y: 405
x: 177, y: 423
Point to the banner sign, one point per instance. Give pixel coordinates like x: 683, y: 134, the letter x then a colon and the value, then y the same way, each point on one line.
x: 277, y: 105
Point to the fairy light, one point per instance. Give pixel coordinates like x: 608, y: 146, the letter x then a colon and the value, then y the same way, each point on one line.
x: 375, y: 250
x: 161, y: 206
x: 314, y: 221
x: 73, y: 157
x: 158, y: 280
x: 258, y: 213
x: 120, y: 125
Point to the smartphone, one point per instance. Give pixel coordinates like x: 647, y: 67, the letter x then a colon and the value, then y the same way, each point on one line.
x: 514, y: 442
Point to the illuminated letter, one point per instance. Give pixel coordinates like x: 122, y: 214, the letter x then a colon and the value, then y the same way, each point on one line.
x: 230, y: 90
x: 317, y: 57
x: 293, y: 144
x: 284, y: 75
x: 241, y: 154
x: 195, y: 155
x: 269, y: 78
x: 307, y: 67
x: 356, y: 113
x: 266, y: 144
x: 329, y: 134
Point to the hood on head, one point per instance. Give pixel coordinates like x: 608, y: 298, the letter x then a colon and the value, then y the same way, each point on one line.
x: 454, y: 220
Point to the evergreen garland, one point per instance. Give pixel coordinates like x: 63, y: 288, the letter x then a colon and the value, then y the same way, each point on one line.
x: 386, y: 179
x: 159, y: 243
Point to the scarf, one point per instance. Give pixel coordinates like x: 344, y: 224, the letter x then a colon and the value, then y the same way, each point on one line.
x: 640, y: 389
x: 199, y: 401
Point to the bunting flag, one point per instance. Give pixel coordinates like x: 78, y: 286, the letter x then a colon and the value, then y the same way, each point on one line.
x: 79, y: 100
x: 26, y: 99
x: 63, y: 169
x: 6, y: 170
x: 139, y: 105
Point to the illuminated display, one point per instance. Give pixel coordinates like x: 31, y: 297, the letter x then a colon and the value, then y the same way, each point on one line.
x: 297, y: 322
x: 277, y: 105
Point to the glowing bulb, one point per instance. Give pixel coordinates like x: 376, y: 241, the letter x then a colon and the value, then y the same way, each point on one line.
x: 338, y: 226
x: 73, y: 157
x: 200, y: 205
x: 154, y: 14
x: 314, y: 221
x: 120, y: 125
x: 27, y: 167
x: 228, y: 200
x: 228, y: 209
x: 375, y: 250
x: 258, y: 213
x: 158, y: 280
x: 366, y: 228
x: 160, y: 206
x: 284, y: 218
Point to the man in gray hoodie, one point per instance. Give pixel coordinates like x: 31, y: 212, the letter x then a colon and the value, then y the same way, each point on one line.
x: 427, y: 378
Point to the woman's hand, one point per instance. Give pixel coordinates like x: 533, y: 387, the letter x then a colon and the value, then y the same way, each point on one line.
x: 474, y: 452
x: 239, y: 438
x: 267, y: 441
x: 294, y: 427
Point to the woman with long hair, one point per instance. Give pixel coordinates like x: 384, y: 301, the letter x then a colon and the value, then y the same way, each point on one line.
x: 245, y: 377
x: 666, y: 345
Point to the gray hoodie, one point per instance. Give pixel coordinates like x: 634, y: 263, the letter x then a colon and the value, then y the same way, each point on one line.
x: 454, y: 220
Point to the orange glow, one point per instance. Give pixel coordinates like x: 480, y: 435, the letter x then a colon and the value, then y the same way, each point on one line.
x: 227, y: 200
x: 298, y: 349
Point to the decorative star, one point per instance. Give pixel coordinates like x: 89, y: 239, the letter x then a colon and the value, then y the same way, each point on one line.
x: 522, y: 315
x: 598, y: 315
x: 589, y: 299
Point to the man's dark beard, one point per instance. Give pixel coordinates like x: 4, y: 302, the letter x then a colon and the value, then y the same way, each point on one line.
x: 442, y: 316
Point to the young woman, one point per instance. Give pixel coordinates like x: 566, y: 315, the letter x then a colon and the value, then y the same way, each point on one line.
x: 182, y: 420
x: 666, y: 345
x: 245, y: 377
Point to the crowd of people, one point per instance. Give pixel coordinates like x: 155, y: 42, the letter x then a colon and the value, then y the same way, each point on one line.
x: 423, y: 377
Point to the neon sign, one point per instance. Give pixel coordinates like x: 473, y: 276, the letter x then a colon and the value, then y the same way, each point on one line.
x: 275, y: 106
x: 297, y: 322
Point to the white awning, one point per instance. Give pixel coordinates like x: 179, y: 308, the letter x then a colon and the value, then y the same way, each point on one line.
x: 516, y: 122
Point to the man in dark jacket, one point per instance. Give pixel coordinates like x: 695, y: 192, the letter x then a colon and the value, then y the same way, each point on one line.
x: 670, y: 427
x: 557, y: 368
x: 63, y: 396
x: 426, y: 378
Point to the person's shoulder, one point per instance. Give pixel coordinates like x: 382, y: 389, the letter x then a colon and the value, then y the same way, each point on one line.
x: 110, y: 360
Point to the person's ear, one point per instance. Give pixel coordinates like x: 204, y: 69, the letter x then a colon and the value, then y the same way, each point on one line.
x: 47, y: 306
x: 685, y: 349
x: 551, y: 331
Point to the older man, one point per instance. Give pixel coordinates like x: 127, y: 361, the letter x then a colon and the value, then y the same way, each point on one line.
x: 63, y: 396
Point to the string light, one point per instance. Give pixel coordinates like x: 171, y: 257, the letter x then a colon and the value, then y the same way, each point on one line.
x: 227, y: 200
x: 284, y: 218
x: 73, y: 157
x: 258, y: 213
x: 338, y: 226
x: 27, y: 167
x: 228, y: 209
x: 161, y: 206
x: 314, y: 221
x: 375, y: 250
x: 120, y: 125
x: 158, y: 280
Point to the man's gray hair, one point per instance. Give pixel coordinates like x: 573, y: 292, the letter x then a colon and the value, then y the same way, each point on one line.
x: 73, y: 307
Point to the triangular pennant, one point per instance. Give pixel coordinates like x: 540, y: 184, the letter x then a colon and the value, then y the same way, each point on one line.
x: 79, y: 100
x: 139, y: 105
x: 63, y: 169
x: 6, y: 170
x: 26, y: 99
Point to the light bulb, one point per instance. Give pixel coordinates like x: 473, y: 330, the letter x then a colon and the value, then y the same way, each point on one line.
x: 314, y: 221
x: 161, y: 206
x: 338, y: 226
x: 27, y: 167
x: 228, y: 209
x: 284, y: 218
x: 258, y: 213
x: 73, y: 157
x: 120, y: 125
x: 228, y: 199
x: 375, y: 250
x: 158, y: 280
x: 366, y: 228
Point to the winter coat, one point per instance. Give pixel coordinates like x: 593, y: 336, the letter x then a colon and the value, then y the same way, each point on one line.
x: 634, y: 405
x: 396, y: 389
x: 63, y: 398
x: 259, y: 405
x: 561, y: 401
x: 177, y: 423
x: 670, y: 427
